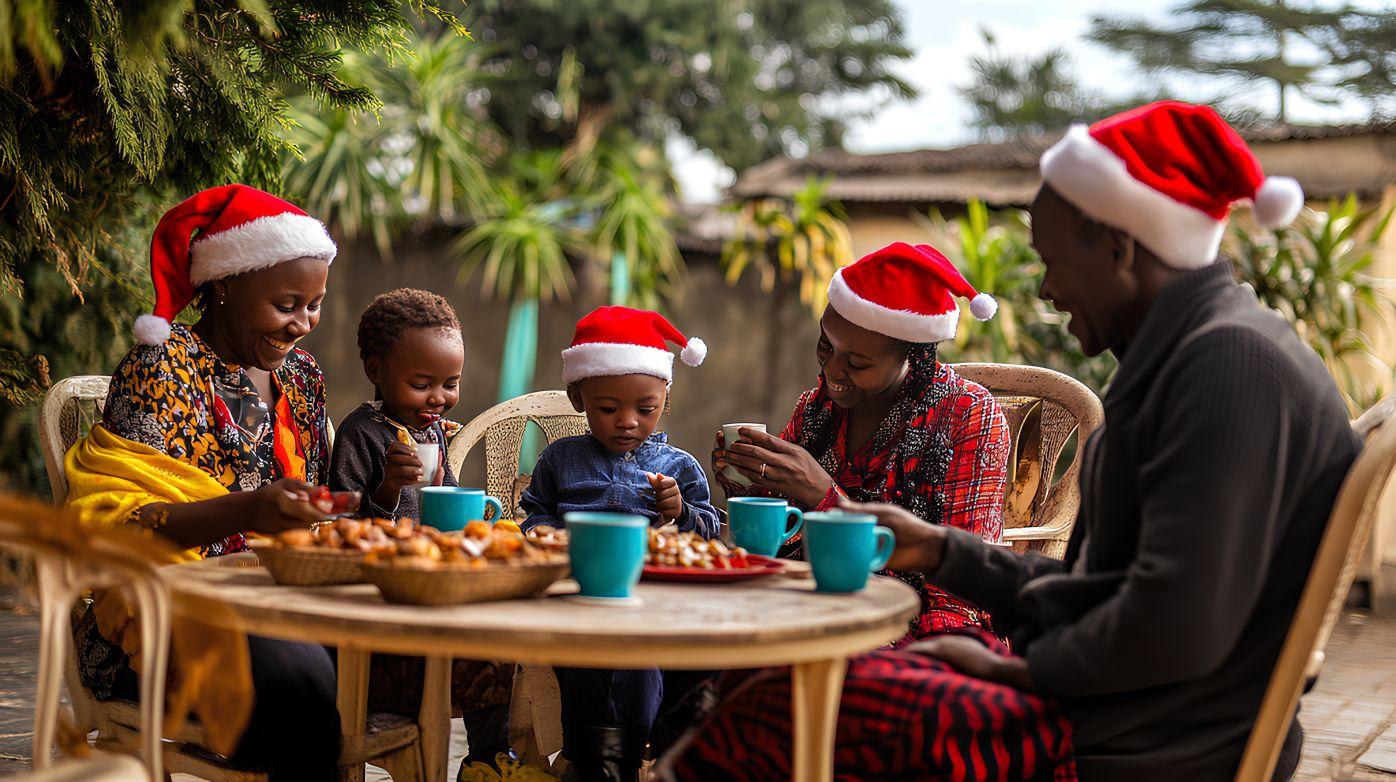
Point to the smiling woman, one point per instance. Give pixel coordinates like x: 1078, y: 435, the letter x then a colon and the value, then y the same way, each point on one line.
x: 216, y: 431
x: 887, y: 421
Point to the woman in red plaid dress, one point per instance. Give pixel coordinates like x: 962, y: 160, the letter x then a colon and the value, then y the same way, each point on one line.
x: 889, y: 423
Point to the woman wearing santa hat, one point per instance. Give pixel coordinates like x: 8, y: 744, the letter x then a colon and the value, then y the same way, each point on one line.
x: 1204, y: 497
x: 887, y: 421
x: 217, y: 430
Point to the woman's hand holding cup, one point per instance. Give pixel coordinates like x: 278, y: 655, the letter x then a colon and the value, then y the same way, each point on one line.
x: 779, y: 467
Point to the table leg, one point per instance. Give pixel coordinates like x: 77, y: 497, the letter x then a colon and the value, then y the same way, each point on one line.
x: 434, y: 719
x: 816, y: 689
x: 352, y: 699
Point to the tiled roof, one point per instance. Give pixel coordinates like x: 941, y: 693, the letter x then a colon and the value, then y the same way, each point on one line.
x: 999, y: 173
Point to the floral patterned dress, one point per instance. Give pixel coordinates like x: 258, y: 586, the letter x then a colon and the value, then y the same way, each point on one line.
x: 181, y: 399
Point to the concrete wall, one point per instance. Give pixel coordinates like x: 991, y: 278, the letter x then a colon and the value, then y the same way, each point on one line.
x: 761, y: 346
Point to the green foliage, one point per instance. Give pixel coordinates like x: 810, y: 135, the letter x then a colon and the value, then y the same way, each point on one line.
x: 1321, y: 53
x: 1316, y: 273
x: 805, y: 238
x: 995, y: 254
x: 423, y: 153
x: 746, y: 79
x: 522, y: 240
x: 634, y: 219
x: 1019, y: 96
x: 109, y: 113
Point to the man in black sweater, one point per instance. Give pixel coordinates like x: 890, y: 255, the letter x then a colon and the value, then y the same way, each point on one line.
x: 1205, y: 493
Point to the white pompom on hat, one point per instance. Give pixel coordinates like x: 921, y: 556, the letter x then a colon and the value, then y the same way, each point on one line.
x: 617, y: 340
x: 906, y: 292
x: 1167, y: 173
x: 235, y: 229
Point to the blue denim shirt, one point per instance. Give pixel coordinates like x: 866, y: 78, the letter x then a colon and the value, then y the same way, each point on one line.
x: 581, y: 474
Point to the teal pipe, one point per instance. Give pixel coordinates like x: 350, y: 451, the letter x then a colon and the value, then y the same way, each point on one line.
x: 620, y: 279
x: 519, y: 363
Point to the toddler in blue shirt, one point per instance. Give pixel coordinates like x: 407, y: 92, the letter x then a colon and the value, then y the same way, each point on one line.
x: 618, y: 372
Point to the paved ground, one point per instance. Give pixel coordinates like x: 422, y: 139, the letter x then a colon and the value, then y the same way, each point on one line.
x: 1350, y: 717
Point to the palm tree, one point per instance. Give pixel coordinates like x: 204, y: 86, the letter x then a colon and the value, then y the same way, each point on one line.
x: 805, y: 238
x: 425, y: 154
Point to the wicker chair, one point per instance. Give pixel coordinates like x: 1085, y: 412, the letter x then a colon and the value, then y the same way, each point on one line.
x: 1044, y: 409
x: 385, y: 740
x: 502, y: 428
x: 1321, y: 604
x: 63, y: 570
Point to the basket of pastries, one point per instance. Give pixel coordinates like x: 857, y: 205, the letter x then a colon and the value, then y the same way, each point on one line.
x: 483, y: 562
x: 331, y: 552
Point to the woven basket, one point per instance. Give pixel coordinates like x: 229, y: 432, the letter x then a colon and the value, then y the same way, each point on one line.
x: 300, y: 566
x: 445, y: 585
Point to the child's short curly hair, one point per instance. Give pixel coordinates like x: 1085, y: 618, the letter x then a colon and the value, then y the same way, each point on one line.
x: 390, y: 314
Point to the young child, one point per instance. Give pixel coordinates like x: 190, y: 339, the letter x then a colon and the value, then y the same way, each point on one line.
x: 411, y: 346
x: 410, y: 342
x: 618, y: 372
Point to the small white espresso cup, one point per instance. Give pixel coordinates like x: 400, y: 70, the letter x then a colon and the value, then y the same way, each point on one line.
x: 429, y: 454
x: 731, y: 434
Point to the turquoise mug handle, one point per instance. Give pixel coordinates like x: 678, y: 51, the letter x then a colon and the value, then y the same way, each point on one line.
x: 799, y: 516
x: 886, y: 542
x: 498, y: 508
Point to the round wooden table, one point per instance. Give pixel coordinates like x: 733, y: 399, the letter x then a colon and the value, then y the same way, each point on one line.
x: 766, y: 622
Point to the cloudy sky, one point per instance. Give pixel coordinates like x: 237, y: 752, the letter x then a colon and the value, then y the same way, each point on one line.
x: 946, y: 33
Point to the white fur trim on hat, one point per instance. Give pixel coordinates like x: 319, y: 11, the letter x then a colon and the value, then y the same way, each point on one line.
x: 151, y: 329
x: 1278, y: 202
x: 694, y: 352
x: 258, y: 244
x: 900, y: 324
x: 1086, y: 173
x: 607, y: 359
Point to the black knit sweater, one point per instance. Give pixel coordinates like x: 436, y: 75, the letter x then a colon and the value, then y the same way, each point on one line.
x: 1204, y: 498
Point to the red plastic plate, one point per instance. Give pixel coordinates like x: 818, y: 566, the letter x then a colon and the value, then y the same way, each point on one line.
x: 759, y: 566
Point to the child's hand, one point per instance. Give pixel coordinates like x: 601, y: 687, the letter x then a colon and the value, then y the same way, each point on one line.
x: 719, y: 457
x: 401, y: 469
x: 668, y: 500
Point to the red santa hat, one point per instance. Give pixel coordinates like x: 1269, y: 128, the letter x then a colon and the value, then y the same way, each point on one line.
x: 623, y: 341
x: 1167, y: 173
x: 906, y: 292
x: 235, y: 229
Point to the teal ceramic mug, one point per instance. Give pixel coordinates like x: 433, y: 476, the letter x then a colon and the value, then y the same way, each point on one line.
x: 607, y: 551
x: 761, y: 524
x: 450, y: 508
x: 843, y: 548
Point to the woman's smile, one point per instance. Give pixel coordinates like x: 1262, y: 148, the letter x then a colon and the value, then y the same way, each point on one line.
x: 838, y: 389
x: 278, y: 345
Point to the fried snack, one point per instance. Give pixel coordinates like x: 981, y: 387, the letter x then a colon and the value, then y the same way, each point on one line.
x: 547, y: 538
x: 670, y: 548
x: 368, y: 536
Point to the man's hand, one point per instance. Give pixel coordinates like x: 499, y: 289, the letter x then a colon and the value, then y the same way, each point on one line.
x: 668, y: 500
x: 920, y: 544
x: 970, y: 657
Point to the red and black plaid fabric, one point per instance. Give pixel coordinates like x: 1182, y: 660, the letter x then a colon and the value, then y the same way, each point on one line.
x: 942, y: 454
x: 903, y: 716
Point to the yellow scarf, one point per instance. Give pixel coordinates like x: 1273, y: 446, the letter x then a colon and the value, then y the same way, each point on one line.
x: 109, y: 479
